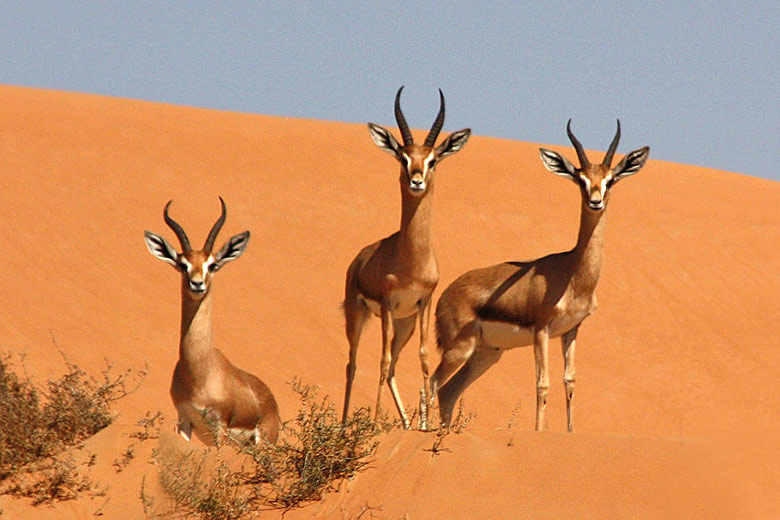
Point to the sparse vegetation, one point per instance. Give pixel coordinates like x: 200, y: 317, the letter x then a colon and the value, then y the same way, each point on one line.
x: 124, y: 460
x: 37, y: 424
x: 49, y: 480
x: 457, y: 425
x: 150, y: 426
x: 150, y: 429
x: 314, y: 453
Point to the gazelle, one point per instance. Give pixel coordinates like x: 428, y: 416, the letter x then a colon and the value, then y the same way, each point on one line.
x: 487, y: 311
x: 395, y: 277
x: 206, y: 387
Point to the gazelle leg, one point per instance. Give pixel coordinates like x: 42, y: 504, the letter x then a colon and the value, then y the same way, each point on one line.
x: 356, y: 314
x: 384, y: 364
x: 184, y: 427
x: 568, y: 342
x: 541, y: 338
x: 482, y: 359
x: 424, y: 312
x: 402, y: 331
x: 455, y: 352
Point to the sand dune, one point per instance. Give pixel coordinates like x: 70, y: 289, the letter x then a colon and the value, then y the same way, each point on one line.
x: 677, y: 397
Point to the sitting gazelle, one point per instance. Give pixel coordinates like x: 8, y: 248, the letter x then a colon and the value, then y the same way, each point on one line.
x: 206, y: 387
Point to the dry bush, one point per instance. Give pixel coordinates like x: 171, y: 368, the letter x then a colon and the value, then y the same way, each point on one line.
x: 202, y: 490
x: 39, y: 423
x: 150, y: 426
x: 50, y: 480
x: 314, y: 453
x: 457, y: 425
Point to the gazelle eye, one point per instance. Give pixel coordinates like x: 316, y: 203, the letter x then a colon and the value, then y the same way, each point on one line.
x: 212, y: 267
x: 431, y: 163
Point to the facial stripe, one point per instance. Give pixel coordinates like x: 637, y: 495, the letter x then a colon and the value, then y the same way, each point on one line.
x: 417, y: 165
x: 198, y: 270
x: 408, y: 161
x: 586, y: 181
x: 429, y: 160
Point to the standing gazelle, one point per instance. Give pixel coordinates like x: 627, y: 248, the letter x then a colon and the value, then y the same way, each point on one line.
x: 206, y: 387
x: 395, y: 277
x: 487, y: 311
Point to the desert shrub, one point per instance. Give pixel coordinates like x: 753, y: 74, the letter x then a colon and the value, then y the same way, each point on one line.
x: 313, y: 454
x: 457, y: 425
x: 210, y: 494
x: 38, y: 423
x: 316, y: 451
x: 150, y: 426
x: 52, y: 479
x: 23, y: 436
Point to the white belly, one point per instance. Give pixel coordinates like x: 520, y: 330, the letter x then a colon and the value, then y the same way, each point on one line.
x: 403, y: 302
x: 504, y: 336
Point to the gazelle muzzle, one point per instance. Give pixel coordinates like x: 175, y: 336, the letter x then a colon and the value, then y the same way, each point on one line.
x: 417, y: 182
x: 595, y: 192
x: 197, y: 286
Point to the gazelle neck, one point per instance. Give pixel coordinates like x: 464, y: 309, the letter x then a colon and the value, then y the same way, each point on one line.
x: 414, y: 240
x: 589, y: 251
x: 195, y: 342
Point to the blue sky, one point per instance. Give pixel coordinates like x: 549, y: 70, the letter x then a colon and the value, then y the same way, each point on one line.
x: 699, y: 82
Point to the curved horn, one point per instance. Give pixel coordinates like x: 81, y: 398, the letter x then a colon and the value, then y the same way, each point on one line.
x: 406, y: 134
x: 180, y: 234
x: 612, y: 147
x: 436, y: 128
x: 209, y: 245
x: 577, y: 146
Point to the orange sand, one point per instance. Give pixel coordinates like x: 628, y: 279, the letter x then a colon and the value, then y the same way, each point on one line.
x: 677, y: 399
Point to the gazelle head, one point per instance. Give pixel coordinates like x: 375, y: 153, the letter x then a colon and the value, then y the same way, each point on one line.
x: 196, y: 267
x: 418, y: 161
x: 595, y: 180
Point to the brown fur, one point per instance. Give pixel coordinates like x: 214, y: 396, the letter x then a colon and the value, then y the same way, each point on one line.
x: 205, y: 386
x: 397, y: 275
x: 205, y: 380
x: 521, y: 303
x: 404, y: 261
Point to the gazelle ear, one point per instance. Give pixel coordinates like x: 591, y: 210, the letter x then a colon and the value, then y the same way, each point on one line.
x: 453, y: 143
x: 557, y: 163
x: 631, y: 163
x: 232, y: 249
x: 160, y: 248
x: 384, y: 139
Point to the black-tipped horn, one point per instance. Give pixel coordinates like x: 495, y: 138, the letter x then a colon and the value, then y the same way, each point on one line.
x: 180, y: 234
x: 436, y: 128
x: 406, y: 134
x: 612, y: 147
x: 577, y: 146
x: 209, y: 245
